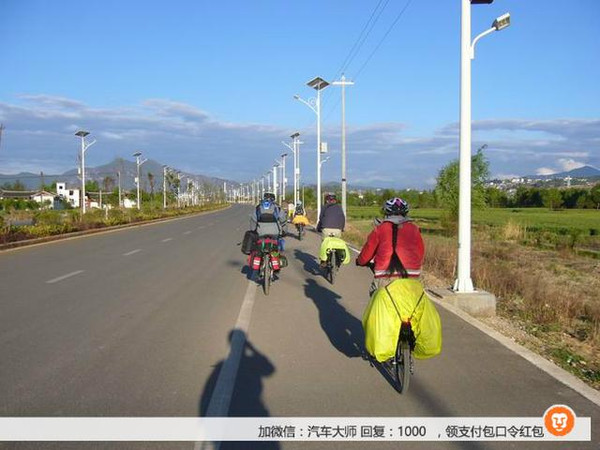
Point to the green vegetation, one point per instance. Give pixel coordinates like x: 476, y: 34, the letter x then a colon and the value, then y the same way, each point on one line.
x: 51, y: 222
x: 530, y: 258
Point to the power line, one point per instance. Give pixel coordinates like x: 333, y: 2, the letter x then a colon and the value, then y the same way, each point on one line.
x: 400, y: 14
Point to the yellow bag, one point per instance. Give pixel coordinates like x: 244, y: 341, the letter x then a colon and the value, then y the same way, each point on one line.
x: 300, y: 220
x: 403, y: 299
x: 330, y: 243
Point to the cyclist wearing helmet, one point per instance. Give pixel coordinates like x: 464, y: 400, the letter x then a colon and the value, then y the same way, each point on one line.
x: 395, y: 246
x: 332, y: 220
x: 299, y: 211
x: 268, y: 217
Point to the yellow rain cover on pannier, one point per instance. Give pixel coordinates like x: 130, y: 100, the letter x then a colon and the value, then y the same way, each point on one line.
x: 300, y: 220
x: 381, y: 322
x: 334, y: 243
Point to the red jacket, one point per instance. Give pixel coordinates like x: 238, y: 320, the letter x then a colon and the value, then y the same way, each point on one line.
x: 409, y: 248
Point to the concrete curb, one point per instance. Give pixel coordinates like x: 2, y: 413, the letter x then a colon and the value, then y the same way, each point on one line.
x: 540, y: 362
x: 79, y: 234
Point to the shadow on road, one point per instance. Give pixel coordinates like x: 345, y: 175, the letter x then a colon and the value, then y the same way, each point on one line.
x: 311, y: 265
x: 246, y: 393
x: 343, y: 329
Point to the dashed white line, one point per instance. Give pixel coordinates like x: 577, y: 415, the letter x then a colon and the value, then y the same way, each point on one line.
x: 132, y: 252
x: 167, y: 240
x: 55, y: 280
x: 187, y: 232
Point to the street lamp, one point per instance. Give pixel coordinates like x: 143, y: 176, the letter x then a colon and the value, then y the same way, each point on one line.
x: 463, y: 282
x: 84, y: 146
x: 275, y: 184
x: 165, y: 170
x: 137, y: 179
x: 343, y: 83
x: 318, y: 84
x: 283, y: 156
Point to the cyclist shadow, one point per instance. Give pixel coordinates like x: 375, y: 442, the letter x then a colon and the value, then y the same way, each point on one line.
x: 344, y: 331
x: 311, y: 265
x: 246, y: 396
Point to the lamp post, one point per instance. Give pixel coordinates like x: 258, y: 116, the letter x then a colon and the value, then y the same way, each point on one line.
x: 283, y: 156
x: 463, y: 282
x: 165, y: 169
x: 137, y: 179
x: 318, y: 84
x: 84, y: 146
x: 343, y: 83
x: 275, y: 185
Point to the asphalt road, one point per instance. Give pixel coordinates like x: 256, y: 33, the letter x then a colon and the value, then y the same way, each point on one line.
x: 138, y: 322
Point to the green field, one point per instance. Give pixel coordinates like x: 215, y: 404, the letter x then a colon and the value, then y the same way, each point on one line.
x: 587, y: 221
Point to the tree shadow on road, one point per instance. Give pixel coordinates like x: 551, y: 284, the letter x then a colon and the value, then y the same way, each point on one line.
x: 245, y: 394
x: 344, y: 331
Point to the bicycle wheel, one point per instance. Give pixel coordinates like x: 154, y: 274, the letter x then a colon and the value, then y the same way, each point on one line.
x: 402, y: 364
x: 332, y: 266
x: 267, y: 273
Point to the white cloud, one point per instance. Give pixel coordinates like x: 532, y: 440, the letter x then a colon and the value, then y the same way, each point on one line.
x: 568, y: 164
x: 39, y: 136
x: 545, y: 171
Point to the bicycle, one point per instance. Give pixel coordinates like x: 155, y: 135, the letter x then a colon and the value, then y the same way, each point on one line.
x: 267, y: 262
x: 402, y: 362
x: 300, y: 229
x: 334, y: 261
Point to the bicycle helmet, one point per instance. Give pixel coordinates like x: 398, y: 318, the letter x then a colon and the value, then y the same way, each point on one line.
x: 395, y: 207
x: 330, y: 198
x: 269, y: 197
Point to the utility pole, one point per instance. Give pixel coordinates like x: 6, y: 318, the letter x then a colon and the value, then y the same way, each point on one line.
x: 343, y: 83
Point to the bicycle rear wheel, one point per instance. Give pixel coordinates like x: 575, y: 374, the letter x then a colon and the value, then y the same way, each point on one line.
x: 267, y: 273
x: 402, y: 364
x: 332, y: 266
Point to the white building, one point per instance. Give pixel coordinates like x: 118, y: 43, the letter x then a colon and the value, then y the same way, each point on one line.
x: 71, y: 195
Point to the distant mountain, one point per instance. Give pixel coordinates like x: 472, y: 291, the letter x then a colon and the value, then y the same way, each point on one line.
x: 128, y: 170
x: 580, y: 172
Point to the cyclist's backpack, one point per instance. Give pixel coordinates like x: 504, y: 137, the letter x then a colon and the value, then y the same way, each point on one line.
x: 267, y: 212
x: 250, y: 237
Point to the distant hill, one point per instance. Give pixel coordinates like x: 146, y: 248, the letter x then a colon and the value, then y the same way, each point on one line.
x: 127, y: 168
x: 580, y: 172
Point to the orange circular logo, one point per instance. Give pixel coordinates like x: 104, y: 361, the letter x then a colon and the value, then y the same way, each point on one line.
x: 559, y: 420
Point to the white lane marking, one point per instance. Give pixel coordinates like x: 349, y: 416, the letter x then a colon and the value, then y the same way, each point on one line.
x: 221, y: 396
x: 55, y: 280
x: 353, y: 249
x: 167, y: 239
x: 132, y: 252
x: 187, y: 232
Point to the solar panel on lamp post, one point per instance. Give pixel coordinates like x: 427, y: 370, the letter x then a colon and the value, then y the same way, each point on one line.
x: 318, y: 84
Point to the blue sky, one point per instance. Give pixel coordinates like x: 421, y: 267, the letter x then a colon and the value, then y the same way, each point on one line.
x: 208, y: 87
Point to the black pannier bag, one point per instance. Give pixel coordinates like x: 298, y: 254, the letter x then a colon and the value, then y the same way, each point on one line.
x: 250, y: 238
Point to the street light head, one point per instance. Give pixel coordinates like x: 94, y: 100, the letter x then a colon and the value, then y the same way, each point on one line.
x: 82, y: 133
x: 295, y: 135
x: 501, y: 22
x: 283, y: 155
x: 136, y: 154
x: 296, y: 97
